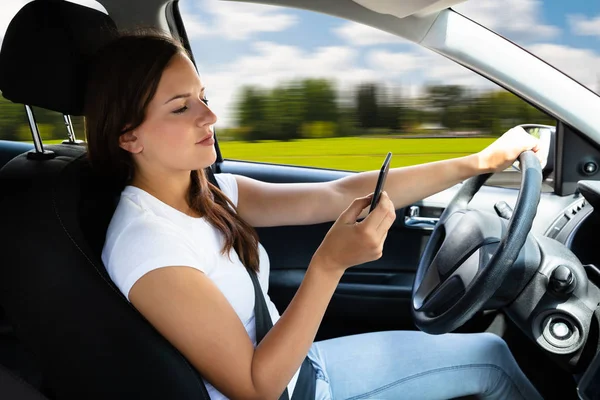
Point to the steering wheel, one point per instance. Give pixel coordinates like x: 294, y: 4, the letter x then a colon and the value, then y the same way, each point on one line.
x: 470, y: 253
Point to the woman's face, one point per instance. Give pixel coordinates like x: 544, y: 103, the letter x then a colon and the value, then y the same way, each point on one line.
x: 177, y: 133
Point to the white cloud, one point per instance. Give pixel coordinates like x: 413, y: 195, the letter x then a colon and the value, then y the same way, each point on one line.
x: 235, y: 21
x: 518, y: 20
x: 194, y: 25
x: 394, y: 63
x: 362, y: 35
x: 581, y: 25
x: 582, y: 65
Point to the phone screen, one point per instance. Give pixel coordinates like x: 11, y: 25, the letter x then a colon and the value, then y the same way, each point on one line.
x: 380, y: 181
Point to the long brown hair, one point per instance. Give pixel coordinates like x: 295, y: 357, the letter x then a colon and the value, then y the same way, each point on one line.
x: 122, y: 80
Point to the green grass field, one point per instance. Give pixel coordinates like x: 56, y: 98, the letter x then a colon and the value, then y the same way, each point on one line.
x: 352, y: 154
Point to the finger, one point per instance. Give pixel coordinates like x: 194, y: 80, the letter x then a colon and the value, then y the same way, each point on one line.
x: 542, y: 157
x: 350, y: 214
x: 535, y: 145
x: 383, y: 238
x: 378, y: 214
x: 388, y: 220
x: 379, y: 250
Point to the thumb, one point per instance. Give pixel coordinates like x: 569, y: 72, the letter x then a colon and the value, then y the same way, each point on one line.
x: 350, y: 214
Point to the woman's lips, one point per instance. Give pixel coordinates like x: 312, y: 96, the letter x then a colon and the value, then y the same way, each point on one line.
x: 208, y: 141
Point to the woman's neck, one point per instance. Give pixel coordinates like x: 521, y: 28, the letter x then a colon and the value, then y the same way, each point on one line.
x: 172, y: 189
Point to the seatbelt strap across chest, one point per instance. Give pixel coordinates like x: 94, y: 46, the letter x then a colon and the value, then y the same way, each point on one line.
x: 307, y: 378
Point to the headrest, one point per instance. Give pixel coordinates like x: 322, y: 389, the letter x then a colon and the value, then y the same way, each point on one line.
x: 45, y: 52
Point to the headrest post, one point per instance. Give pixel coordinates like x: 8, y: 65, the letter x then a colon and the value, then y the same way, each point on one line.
x: 69, y: 126
x: 35, y: 132
x: 70, y: 131
x: 39, y: 153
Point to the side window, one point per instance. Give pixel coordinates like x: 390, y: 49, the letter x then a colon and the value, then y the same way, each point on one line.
x: 296, y: 87
x: 15, y: 126
x: 13, y: 119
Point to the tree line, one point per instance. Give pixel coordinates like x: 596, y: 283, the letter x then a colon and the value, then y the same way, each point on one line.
x: 14, y: 124
x: 313, y: 108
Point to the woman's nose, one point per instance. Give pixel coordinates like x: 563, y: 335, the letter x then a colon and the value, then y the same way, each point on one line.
x: 207, y: 116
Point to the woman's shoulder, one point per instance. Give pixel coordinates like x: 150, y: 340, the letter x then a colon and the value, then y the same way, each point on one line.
x: 139, y: 240
x: 228, y: 185
x: 143, y: 219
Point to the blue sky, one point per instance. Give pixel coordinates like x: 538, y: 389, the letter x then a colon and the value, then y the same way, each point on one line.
x: 556, y: 12
x: 237, y: 44
x: 310, y: 30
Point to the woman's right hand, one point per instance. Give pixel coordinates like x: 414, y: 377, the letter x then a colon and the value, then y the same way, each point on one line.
x: 350, y: 243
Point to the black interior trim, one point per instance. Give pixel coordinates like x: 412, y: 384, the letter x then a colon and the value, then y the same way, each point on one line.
x: 573, y: 151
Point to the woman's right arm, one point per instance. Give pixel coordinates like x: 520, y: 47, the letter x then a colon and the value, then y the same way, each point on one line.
x: 191, y: 312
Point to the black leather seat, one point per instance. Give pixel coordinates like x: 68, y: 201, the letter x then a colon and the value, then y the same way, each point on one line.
x: 13, y: 387
x: 89, y: 341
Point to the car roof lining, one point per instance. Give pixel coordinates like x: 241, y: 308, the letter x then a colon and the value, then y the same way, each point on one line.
x: 403, y: 9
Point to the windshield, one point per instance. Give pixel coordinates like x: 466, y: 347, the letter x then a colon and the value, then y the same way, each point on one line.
x: 566, y: 34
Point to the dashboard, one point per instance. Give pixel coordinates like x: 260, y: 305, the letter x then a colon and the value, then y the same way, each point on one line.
x: 577, y: 228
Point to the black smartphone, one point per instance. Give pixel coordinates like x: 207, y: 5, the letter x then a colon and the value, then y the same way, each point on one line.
x: 380, y: 181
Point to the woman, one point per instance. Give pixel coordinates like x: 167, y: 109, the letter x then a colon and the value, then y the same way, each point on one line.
x: 177, y: 246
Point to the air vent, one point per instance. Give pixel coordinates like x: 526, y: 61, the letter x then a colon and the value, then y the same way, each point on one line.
x: 567, y: 215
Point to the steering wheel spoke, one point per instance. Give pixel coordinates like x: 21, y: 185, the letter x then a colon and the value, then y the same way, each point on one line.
x: 430, y: 283
x: 435, y: 292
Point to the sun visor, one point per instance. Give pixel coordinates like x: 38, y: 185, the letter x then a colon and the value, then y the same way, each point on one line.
x: 405, y: 8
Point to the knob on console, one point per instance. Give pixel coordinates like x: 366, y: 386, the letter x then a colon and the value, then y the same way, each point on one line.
x: 562, y: 280
x: 561, y: 330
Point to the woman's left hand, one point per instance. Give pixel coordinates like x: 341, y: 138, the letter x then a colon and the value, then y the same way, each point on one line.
x: 504, y: 151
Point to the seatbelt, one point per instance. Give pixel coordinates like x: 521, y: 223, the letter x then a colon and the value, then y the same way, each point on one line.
x: 307, y: 378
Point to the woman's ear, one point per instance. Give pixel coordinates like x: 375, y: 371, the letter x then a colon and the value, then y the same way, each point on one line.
x: 129, y: 141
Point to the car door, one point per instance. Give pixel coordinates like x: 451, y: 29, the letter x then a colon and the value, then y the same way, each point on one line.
x: 376, y: 295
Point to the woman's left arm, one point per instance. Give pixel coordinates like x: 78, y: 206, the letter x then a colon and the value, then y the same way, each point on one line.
x: 266, y: 204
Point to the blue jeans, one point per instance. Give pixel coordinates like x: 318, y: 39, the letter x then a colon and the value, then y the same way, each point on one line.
x: 415, y: 365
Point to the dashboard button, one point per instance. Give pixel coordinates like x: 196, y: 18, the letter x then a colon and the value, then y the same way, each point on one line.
x: 562, y: 280
x: 560, y: 330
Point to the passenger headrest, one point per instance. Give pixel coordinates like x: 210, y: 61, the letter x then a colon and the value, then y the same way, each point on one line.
x: 44, y: 54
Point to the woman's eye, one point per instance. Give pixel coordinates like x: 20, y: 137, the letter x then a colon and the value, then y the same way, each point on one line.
x: 180, y: 110
x: 204, y: 100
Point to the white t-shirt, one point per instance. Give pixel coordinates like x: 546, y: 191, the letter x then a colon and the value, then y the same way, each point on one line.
x: 145, y: 234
